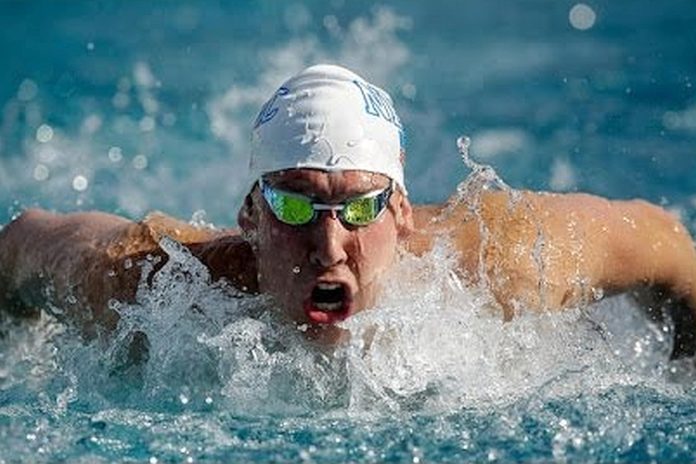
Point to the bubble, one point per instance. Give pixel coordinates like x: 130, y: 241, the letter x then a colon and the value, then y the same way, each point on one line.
x: 139, y: 162
x: 91, y: 124
x: 44, y: 133
x: 90, y: 46
x: 120, y: 100
x: 408, y: 90
x: 169, y: 119
x: 143, y: 75
x: 147, y: 124
x: 331, y: 24
x: 27, y: 90
x: 582, y: 17
x: 184, y: 399
x: 80, y: 183
x: 124, y: 84
x: 563, y: 175
x: 41, y: 172
x: 150, y: 105
x: 115, y: 154
x: 47, y: 154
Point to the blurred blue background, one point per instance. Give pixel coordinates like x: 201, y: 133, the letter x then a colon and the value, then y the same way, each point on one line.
x: 131, y: 106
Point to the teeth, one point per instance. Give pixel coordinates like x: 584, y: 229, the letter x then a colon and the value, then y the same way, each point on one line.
x: 327, y: 286
x: 329, y: 306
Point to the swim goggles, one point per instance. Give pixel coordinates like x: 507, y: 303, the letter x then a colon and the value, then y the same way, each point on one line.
x: 296, y: 210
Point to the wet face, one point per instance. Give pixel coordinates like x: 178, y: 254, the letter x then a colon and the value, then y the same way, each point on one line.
x: 325, y: 271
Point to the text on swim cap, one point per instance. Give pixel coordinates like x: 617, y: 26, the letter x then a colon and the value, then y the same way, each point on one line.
x: 378, y: 103
x: 269, y: 110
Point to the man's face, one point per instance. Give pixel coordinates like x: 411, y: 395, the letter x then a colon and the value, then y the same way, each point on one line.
x: 324, y: 271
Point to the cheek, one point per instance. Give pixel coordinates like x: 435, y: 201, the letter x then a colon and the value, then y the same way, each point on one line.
x: 376, y: 249
x: 278, y: 252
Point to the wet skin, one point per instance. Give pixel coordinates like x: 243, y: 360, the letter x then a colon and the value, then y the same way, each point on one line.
x: 293, y: 260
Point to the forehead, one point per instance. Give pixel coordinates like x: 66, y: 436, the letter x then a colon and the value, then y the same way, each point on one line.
x: 319, y: 183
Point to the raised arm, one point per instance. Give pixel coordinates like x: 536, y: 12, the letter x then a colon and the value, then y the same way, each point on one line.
x: 77, y: 262
x: 550, y: 251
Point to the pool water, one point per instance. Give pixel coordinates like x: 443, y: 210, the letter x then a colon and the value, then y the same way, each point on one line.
x: 129, y: 107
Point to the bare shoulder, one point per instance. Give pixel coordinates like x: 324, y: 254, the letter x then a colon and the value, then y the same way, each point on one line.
x: 144, y: 236
x: 548, y: 249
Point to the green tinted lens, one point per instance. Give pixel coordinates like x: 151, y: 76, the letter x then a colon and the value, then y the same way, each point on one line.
x: 292, y: 210
x: 360, y: 211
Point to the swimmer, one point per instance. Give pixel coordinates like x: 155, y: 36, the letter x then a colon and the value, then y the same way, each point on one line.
x: 328, y: 214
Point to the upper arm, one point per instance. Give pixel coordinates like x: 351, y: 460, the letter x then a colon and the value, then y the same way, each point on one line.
x: 650, y: 246
x: 551, y: 251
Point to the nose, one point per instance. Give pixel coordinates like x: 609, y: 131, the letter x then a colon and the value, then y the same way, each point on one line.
x: 329, y: 239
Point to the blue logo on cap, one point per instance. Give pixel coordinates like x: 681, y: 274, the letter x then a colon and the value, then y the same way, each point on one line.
x: 378, y: 103
x: 269, y: 110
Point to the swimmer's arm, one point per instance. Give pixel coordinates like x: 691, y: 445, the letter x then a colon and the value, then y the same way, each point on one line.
x: 626, y: 246
x: 620, y: 245
x: 59, y: 261
x: 649, y: 247
x: 78, y: 262
x: 550, y: 251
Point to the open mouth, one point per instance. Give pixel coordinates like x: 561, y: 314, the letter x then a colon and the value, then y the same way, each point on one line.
x: 328, y: 303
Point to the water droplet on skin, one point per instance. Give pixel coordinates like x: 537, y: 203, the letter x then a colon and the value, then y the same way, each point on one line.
x: 597, y: 293
x: 128, y: 263
x: 296, y: 270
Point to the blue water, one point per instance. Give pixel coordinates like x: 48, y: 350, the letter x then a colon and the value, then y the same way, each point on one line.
x: 133, y: 106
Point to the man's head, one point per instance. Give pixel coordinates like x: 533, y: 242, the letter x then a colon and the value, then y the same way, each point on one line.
x: 329, y: 203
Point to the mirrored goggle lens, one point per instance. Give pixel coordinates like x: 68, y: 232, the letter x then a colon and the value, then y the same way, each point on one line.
x: 292, y: 210
x: 361, y: 211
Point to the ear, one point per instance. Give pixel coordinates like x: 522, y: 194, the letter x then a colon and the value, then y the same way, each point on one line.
x: 404, y: 216
x: 247, y: 217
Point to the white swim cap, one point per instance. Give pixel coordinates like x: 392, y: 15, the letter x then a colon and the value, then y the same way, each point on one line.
x: 329, y: 118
